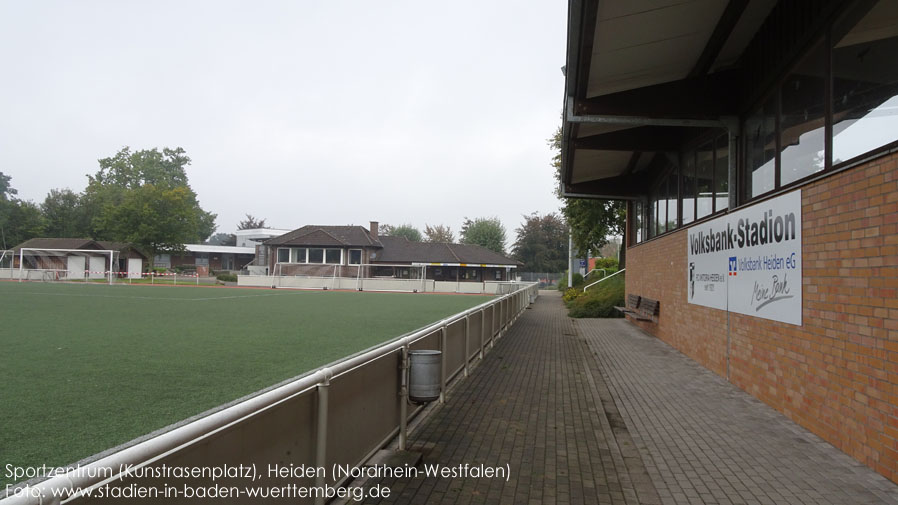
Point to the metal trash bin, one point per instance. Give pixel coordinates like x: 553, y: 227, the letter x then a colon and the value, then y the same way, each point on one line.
x: 424, y: 376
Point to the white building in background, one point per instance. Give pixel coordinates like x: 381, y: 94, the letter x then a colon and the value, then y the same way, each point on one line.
x: 255, y: 236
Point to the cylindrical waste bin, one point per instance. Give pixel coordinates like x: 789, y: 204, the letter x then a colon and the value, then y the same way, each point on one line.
x: 424, y: 377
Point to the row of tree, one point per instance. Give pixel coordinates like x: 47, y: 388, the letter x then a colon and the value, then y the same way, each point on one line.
x: 488, y: 232
x: 541, y: 242
x: 142, y: 197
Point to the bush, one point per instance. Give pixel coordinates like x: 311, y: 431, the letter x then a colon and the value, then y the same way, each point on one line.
x: 226, y: 277
x: 571, y: 294
x: 600, y: 300
x: 606, y: 263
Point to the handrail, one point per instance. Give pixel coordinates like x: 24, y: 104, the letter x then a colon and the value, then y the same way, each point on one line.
x: 593, y: 270
x: 151, y: 450
x: 603, y: 279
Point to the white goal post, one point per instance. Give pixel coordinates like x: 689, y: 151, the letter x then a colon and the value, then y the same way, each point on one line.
x: 61, y: 265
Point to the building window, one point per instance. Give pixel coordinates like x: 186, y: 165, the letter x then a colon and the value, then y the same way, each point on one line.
x: 786, y: 137
x: 333, y: 256
x: 802, y: 118
x: 672, y: 214
x: 355, y: 256
x: 316, y: 255
x: 865, y: 85
x: 688, y: 187
x: 722, y: 172
x: 759, y: 132
x: 639, y: 223
x: 705, y: 179
x: 298, y: 255
x: 283, y: 255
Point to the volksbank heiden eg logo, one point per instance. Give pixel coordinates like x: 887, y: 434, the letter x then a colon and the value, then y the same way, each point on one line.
x: 732, y: 268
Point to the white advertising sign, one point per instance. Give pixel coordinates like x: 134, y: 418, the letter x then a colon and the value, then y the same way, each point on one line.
x: 749, y: 261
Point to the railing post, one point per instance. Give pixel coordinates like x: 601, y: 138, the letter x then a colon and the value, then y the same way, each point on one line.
x: 403, y: 399
x: 482, y: 328
x: 493, y: 324
x: 443, y: 364
x: 321, y: 433
x: 467, y: 332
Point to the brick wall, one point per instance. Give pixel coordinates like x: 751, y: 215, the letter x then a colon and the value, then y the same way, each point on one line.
x: 836, y: 375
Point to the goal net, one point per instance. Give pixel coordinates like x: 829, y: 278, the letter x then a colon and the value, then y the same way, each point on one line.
x: 62, y: 265
x: 368, y: 277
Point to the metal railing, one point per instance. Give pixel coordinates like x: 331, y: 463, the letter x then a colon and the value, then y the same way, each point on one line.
x: 603, y: 279
x: 339, y: 414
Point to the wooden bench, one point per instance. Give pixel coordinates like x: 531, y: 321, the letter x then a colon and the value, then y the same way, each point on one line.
x: 648, y: 310
x: 632, y: 305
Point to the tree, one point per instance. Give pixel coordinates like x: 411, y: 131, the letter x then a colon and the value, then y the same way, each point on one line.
x: 132, y: 170
x: 159, y: 219
x: 6, y: 191
x: 591, y: 221
x: 484, y: 231
x: 223, y: 239
x: 20, y: 220
x: 541, y: 243
x: 64, y: 215
x: 403, y: 230
x: 251, y: 223
x: 126, y: 181
x: 438, y: 233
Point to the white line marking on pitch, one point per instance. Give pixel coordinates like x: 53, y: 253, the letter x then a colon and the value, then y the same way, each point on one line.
x: 153, y: 297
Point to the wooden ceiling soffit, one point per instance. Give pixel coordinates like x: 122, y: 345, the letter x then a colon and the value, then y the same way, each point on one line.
x: 624, y: 187
x: 701, y: 98
x: 643, y: 138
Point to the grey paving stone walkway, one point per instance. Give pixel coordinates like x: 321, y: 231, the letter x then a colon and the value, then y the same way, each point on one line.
x: 596, y: 411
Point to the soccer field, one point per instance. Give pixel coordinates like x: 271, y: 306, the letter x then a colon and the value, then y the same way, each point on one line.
x: 84, y: 368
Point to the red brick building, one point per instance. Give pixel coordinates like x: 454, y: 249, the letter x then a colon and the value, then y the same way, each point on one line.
x: 716, y: 122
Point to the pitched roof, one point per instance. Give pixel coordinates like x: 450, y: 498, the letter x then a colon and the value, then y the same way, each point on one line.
x: 121, y: 247
x: 402, y: 250
x: 60, y: 243
x: 315, y: 235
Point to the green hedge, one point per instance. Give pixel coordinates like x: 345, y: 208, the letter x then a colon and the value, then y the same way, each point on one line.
x: 226, y: 277
x: 600, y: 300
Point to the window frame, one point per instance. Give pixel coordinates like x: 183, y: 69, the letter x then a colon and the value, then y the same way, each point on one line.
x: 361, y: 256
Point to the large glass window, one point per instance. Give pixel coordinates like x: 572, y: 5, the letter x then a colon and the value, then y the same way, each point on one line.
x: 688, y: 187
x: 316, y: 255
x: 355, y: 256
x: 722, y: 173
x: 865, y: 85
x: 283, y: 255
x: 760, y: 149
x: 333, y: 256
x: 639, y: 222
x: 672, y: 200
x: 802, y: 121
x: 705, y: 179
x: 298, y: 255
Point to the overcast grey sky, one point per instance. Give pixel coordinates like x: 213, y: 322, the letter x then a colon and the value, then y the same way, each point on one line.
x: 300, y: 112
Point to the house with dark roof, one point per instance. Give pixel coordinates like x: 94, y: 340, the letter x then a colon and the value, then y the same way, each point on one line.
x: 350, y: 251
x: 79, y: 256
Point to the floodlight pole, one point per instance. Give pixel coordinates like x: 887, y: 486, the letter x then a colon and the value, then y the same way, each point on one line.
x: 21, y: 262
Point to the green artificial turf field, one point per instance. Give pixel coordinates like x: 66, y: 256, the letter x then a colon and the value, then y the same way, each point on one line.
x: 84, y: 368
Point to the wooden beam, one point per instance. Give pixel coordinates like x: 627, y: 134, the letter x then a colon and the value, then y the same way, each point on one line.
x: 708, y: 97
x: 731, y: 15
x: 645, y: 138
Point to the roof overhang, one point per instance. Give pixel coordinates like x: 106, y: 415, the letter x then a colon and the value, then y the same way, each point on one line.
x: 641, y: 78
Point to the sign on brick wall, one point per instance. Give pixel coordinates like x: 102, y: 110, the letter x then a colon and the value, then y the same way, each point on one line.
x: 749, y: 261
